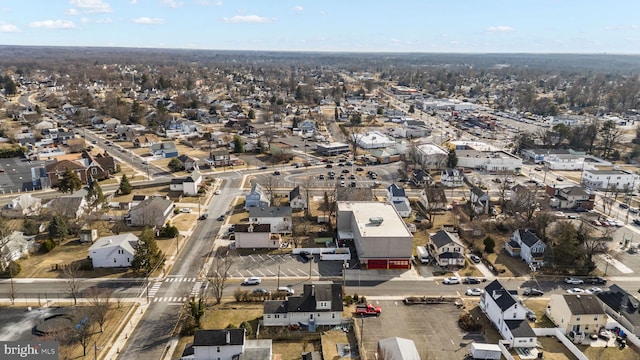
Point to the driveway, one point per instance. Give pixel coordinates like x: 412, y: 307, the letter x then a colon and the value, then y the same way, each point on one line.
x: 433, y: 328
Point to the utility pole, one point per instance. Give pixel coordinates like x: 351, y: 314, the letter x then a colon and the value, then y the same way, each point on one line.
x: 278, y: 276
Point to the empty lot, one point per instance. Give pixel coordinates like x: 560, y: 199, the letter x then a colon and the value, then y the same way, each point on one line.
x: 433, y: 328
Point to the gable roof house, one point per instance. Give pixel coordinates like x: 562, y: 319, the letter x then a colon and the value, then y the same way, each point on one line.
x: 296, y: 200
x: 508, y: 315
x: 113, y: 251
x: 279, y: 217
x: 111, y: 125
x: 97, y: 167
x: 22, y: 206
x: 227, y: 344
x: 15, y: 245
x: 256, y: 236
x: 451, y: 178
x: 398, y: 198
x: 146, y: 140
x: 420, y: 177
x: 319, y: 304
x: 480, y: 201
x: 154, y: 211
x: 571, y: 197
x: 220, y: 157
x: 189, y: 185
x: 165, y: 149
x: 433, y: 198
x: 257, y: 197
x: 71, y: 206
x: 580, y: 313
x: 446, y: 249
x: 622, y: 307
x: 527, y: 245
x: 188, y: 162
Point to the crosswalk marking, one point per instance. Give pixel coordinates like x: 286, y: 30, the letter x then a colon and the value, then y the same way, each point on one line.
x: 190, y: 279
x: 171, y: 299
x: 154, y: 288
x: 196, y: 288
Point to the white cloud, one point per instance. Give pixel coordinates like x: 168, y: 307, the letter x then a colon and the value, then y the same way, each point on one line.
x: 53, y: 24
x: 133, y: 2
x: 73, y: 12
x: 91, y: 6
x: 172, y: 3
x: 7, y: 28
x: 148, y: 21
x: 85, y: 20
x: 218, y: 3
x: 297, y: 8
x: 255, y: 19
x: 209, y: 2
x: 500, y: 29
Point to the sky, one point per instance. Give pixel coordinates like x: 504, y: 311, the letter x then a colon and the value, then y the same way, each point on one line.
x: 442, y: 26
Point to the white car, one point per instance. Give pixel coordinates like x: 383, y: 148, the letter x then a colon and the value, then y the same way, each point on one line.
x: 575, y: 291
x: 573, y: 281
x: 185, y: 210
x: 254, y: 280
x: 474, y: 292
x: 594, y: 290
x: 451, y: 280
x: 287, y: 289
x: 217, y: 192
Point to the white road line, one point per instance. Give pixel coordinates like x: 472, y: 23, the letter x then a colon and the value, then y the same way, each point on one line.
x: 250, y: 273
x: 239, y: 273
x: 303, y: 272
x: 270, y: 257
x: 316, y: 273
x: 260, y: 256
x: 260, y: 272
x: 251, y: 257
x: 293, y: 273
x: 270, y: 272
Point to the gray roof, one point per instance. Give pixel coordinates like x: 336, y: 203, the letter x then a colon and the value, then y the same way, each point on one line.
x: 294, y: 193
x: 503, y: 298
x: 258, y: 228
x: 442, y: 238
x: 274, y: 307
x: 621, y: 302
x: 528, y: 237
x: 583, y: 304
x: 479, y: 192
x: 218, y: 337
x: 270, y: 211
x: 306, y: 302
x: 520, y: 328
x: 396, y: 190
x: 396, y: 348
x: 401, y: 206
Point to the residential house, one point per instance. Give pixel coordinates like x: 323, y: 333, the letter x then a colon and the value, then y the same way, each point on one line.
x: 165, y: 149
x: 111, y: 125
x: 451, y: 178
x: 580, y: 313
x: 381, y: 237
x: 113, y: 251
x: 296, y: 199
x: 480, y: 201
x: 398, y: 198
x: 71, y: 206
x: 220, y: 158
x: 189, y: 185
x: 256, y: 236
x: 257, y: 197
x: 188, y: 162
x: 154, y: 211
x: 420, y: 177
x: 227, y: 344
x: 98, y: 167
x: 21, y: 207
x: 447, y: 249
x: 307, y: 127
x: 319, y: 304
x: 527, y: 245
x: 181, y: 129
x: 622, y: 307
x: 433, y: 198
x: 146, y: 140
x: 279, y: 217
x: 15, y: 246
x: 571, y: 197
x: 68, y: 109
x: 397, y: 348
x: 508, y: 315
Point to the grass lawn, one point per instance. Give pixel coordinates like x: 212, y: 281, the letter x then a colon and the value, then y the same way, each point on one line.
x: 239, y: 215
x: 333, y: 337
x: 158, y: 190
x: 231, y: 313
x: 553, y: 349
x: 292, y: 350
x: 183, y: 221
x: 613, y: 353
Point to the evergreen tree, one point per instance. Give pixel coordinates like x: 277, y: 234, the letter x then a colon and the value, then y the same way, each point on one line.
x: 58, y: 228
x: 70, y: 182
x: 125, y: 187
x: 95, y: 197
x: 10, y: 87
x: 489, y: 244
x: 452, y: 159
x: 175, y: 165
x: 148, y: 257
x: 238, y: 145
x: 252, y: 114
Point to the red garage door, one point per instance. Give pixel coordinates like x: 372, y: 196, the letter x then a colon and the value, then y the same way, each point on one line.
x: 376, y: 264
x: 399, y: 264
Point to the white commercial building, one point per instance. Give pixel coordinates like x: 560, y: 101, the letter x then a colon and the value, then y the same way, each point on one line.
x: 492, y: 161
x: 374, y: 140
x: 610, y: 179
x: 433, y: 156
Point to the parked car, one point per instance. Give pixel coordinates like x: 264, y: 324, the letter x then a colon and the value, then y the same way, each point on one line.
x: 305, y: 256
x: 277, y: 172
x: 474, y: 292
x: 286, y: 289
x: 261, y: 291
x: 218, y: 192
x: 359, y: 169
x: 263, y: 167
x: 475, y: 258
x: 368, y: 310
x: 575, y: 291
x: 471, y: 280
x: 203, y: 217
x: 451, y: 280
x: 581, y: 209
x: 531, y: 316
x: 560, y: 178
x: 573, y: 281
x: 623, y: 206
x: 254, y: 280
x: 595, y: 280
x: 633, y: 210
x: 220, y: 218
x: 185, y: 210
x: 321, y: 177
x: 532, y: 292
x: 594, y: 290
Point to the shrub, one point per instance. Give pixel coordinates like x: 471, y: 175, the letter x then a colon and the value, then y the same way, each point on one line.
x: 467, y: 323
x: 238, y: 294
x: 363, y: 300
x: 86, y: 265
x: 489, y: 244
x: 47, y: 246
x: 348, y: 300
x: 12, y: 270
x: 30, y: 227
x: 247, y: 327
x: 355, y: 297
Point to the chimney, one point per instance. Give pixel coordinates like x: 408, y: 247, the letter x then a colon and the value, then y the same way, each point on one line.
x: 228, y: 337
x: 313, y: 290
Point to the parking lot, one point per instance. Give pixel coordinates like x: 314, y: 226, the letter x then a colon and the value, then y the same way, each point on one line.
x: 433, y: 328
x: 266, y: 266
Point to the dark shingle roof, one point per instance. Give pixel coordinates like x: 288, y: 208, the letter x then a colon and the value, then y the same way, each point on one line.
x: 528, y: 237
x: 306, y: 302
x: 294, y: 193
x: 583, y: 304
x: 218, y: 337
x: 621, y: 302
x: 520, y: 328
x: 258, y: 228
x: 274, y: 307
x: 396, y: 190
x: 271, y: 211
x: 442, y: 238
x: 500, y: 295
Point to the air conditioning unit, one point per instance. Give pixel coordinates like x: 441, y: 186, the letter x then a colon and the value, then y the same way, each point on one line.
x: 376, y: 220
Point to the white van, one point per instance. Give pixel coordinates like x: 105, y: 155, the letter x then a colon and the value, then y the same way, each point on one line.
x: 423, y: 255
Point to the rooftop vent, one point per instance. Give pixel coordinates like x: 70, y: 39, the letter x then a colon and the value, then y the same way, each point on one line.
x: 376, y: 220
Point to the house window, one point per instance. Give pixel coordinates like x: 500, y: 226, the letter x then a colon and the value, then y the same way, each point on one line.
x: 577, y: 318
x: 94, y: 171
x: 114, y: 260
x: 218, y: 349
x: 311, y: 316
x: 333, y: 315
x: 595, y: 318
x: 514, y: 315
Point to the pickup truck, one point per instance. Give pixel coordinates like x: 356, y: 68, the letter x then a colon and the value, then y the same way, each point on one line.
x: 368, y: 310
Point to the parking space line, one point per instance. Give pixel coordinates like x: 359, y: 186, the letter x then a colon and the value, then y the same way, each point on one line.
x: 250, y: 273
x: 270, y: 272
x: 316, y: 273
x: 260, y: 272
x: 261, y: 258
x: 239, y: 273
x: 293, y: 273
x: 250, y: 257
x: 303, y: 273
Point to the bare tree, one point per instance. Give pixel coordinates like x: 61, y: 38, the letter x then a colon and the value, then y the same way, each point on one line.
x: 269, y: 186
x: 99, y: 304
x: 307, y: 184
x: 5, y: 231
x: 524, y: 202
x: 435, y: 198
x: 268, y: 138
x: 354, y: 136
x: 72, y: 275
x: 219, y: 274
x: 82, y: 330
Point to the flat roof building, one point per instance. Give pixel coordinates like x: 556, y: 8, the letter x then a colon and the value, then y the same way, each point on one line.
x: 332, y: 149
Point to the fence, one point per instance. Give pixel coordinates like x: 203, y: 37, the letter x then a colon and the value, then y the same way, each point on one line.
x: 558, y: 333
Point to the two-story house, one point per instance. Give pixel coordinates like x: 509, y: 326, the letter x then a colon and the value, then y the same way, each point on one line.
x: 420, y: 177
x: 14, y: 246
x: 257, y: 197
x: 580, y: 313
x: 279, y: 217
x: 319, y: 304
x: 508, y: 315
x: 227, y: 344
x: 256, y: 236
x: 480, y: 201
x: 113, y: 251
x: 165, y: 149
x: 22, y: 206
x: 622, y: 307
x: 219, y: 158
x: 433, y: 198
x: 527, y: 245
x: 571, y: 197
x: 154, y: 211
x: 189, y: 185
x: 451, y: 178
x: 447, y: 249
x: 296, y: 199
x: 146, y: 140
x: 398, y: 198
